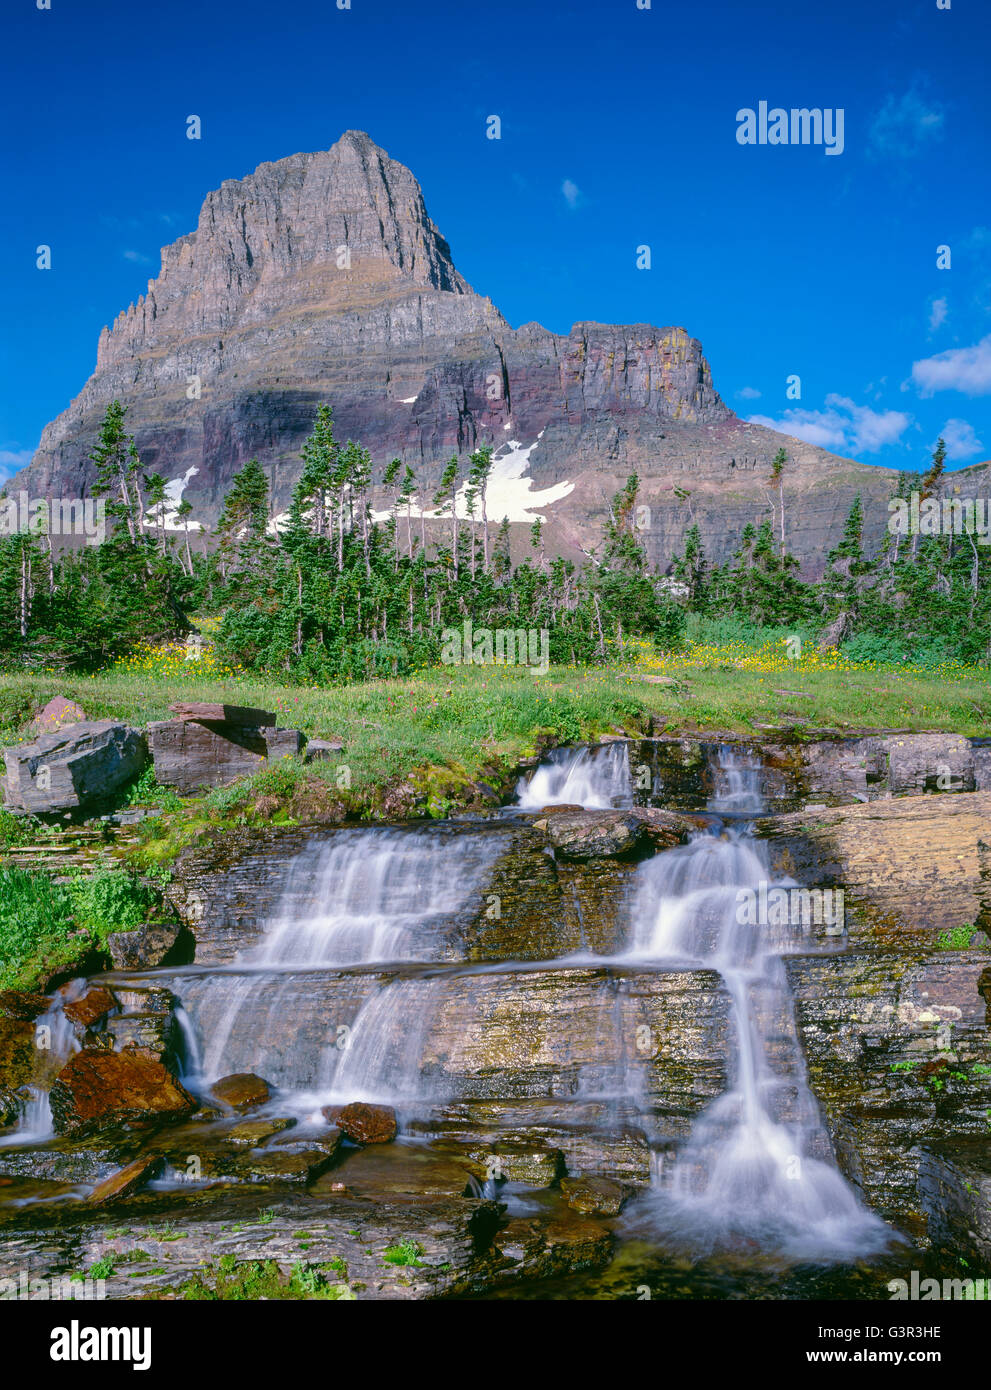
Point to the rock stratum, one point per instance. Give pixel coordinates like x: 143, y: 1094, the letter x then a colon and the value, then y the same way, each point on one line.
x: 321, y: 277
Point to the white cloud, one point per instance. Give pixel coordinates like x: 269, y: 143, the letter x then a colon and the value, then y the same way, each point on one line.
x: 747, y: 393
x: 937, y: 313
x: 13, y: 460
x: 572, y: 193
x: 842, y: 426
x: 960, y: 439
x: 906, y: 126
x: 958, y: 369
x: 137, y: 257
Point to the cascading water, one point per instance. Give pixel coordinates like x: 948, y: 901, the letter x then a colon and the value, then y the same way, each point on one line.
x: 56, y: 1039
x: 758, y: 1167
x: 366, y: 899
x: 595, y: 778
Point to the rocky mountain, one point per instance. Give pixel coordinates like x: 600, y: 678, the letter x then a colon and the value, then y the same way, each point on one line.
x: 322, y: 278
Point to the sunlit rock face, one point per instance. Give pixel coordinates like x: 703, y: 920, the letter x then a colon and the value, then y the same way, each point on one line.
x: 321, y: 277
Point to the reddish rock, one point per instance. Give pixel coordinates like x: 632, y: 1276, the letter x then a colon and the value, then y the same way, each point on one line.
x: 97, y: 1089
x: 362, y: 1123
x: 242, y: 1091
x: 56, y: 713
x: 125, y: 1180
x: 90, y: 1008
x: 22, y: 1005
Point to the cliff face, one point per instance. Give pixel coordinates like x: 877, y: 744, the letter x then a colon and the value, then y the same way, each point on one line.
x: 322, y: 278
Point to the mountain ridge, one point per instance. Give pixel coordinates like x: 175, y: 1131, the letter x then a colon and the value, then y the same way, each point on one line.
x: 321, y: 277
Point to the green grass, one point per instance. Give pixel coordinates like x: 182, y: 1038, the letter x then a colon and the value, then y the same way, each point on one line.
x: 48, y: 926
x: 406, y: 1252
x: 234, y: 1281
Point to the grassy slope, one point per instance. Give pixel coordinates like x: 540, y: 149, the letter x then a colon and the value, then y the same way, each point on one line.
x: 472, y: 717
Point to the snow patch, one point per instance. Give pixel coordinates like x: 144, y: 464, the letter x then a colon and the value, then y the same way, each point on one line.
x: 510, y: 495
x: 167, y: 514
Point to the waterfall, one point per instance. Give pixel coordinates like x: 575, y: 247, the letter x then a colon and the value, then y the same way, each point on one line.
x: 304, y: 1007
x: 55, y: 1037
x: 596, y: 778
x: 758, y: 1167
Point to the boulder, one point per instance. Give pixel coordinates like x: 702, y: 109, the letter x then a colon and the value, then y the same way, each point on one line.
x: 593, y: 1196
x: 57, y: 713
x: 144, y: 947
x: 98, y: 1090
x: 90, y: 1007
x: 242, y: 1091
x: 594, y: 834
x: 319, y: 749
x: 363, y: 1123
x: 78, y: 768
x: 192, y: 756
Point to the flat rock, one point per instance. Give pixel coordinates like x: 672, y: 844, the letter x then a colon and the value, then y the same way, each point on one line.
x: 239, y: 715
x: 97, y: 1090
x: 255, y: 1132
x: 593, y: 1196
x: 242, y: 1091
x: 90, y: 1007
x: 76, y: 768
x: 125, y: 1181
x: 318, y: 749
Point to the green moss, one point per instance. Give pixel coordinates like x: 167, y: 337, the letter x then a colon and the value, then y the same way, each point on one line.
x: 236, y: 1281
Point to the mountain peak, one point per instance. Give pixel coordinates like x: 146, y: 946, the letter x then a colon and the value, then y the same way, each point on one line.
x: 322, y: 231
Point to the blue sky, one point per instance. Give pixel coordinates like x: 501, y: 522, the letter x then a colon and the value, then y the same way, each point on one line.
x: 619, y: 129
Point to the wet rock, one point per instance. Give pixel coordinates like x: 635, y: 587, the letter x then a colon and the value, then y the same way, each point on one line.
x: 363, y: 1123
x: 78, y: 768
x: 255, y: 1132
x: 594, y: 834
x: 910, y: 867
x: 22, y: 1004
x: 242, y: 1091
x: 125, y: 1181
x: 144, y: 947
x: 97, y: 1090
x: 89, y: 1008
x: 399, y: 1172
x: 541, y: 1250
x: 899, y: 1056
x: 57, y: 713
x: 593, y: 1196
x: 955, y: 1194
x: 10, y: 1107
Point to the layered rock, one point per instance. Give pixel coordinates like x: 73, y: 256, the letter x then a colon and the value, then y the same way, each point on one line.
x: 321, y: 277
x: 78, y: 768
